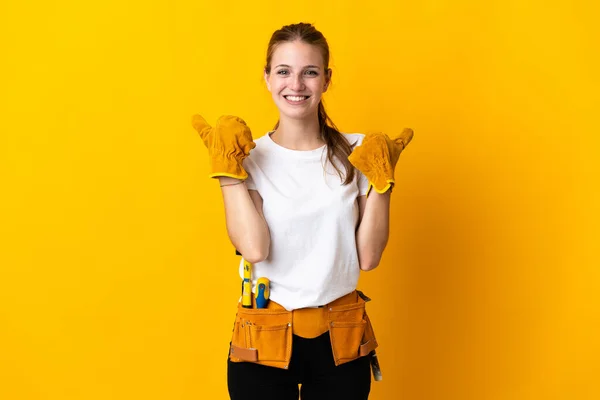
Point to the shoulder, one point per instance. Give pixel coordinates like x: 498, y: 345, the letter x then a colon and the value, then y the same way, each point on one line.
x: 262, y: 140
x: 261, y: 152
x: 261, y: 143
x: 355, y: 139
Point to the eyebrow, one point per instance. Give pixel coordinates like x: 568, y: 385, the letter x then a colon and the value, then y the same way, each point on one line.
x: 308, y: 66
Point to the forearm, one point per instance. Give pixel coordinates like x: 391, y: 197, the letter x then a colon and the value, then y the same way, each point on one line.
x: 373, y: 231
x: 247, y: 229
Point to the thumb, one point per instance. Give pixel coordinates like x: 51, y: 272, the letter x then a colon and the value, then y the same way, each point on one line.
x: 200, y: 125
x: 403, y: 138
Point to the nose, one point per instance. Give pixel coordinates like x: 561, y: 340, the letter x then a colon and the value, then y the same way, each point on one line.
x: 297, y: 83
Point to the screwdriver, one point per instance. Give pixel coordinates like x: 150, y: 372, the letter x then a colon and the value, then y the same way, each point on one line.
x: 246, y: 283
x: 262, y: 292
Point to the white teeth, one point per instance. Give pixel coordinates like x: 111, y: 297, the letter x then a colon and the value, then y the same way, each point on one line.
x: 296, y: 98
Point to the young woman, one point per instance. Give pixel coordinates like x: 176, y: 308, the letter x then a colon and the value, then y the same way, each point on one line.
x: 299, y: 207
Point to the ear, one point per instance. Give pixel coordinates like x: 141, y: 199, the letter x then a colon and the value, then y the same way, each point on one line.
x: 266, y: 77
x: 327, y: 79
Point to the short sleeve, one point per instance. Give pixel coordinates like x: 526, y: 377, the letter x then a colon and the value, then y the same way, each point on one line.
x: 363, y: 183
x: 361, y: 179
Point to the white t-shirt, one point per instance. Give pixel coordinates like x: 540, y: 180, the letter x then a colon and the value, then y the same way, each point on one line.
x: 312, y: 220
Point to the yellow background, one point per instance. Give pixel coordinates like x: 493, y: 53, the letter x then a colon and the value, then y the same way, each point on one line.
x: 117, y: 279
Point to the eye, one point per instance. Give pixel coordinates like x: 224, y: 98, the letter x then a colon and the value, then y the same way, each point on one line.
x: 282, y: 72
x: 312, y: 72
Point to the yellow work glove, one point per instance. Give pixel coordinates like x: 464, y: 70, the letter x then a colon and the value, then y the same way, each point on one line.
x: 377, y: 156
x: 228, y: 144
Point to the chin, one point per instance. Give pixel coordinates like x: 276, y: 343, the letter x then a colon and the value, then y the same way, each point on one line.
x: 304, y: 113
x: 298, y: 116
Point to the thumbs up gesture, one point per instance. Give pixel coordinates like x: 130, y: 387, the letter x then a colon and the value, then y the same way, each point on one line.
x: 377, y: 156
x: 228, y: 144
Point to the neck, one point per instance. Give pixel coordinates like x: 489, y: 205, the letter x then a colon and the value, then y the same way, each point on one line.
x: 298, y: 134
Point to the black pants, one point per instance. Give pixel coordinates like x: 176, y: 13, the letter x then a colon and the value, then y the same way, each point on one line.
x: 312, y: 366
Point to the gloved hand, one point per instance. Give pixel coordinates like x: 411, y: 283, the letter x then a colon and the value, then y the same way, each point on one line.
x: 228, y: 144
x: 377, y: 156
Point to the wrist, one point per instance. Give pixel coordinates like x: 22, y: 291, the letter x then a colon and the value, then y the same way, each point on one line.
x: 225, y: 168
x: 226, y: 180
x: 381, y: 186
x: 233, y: 184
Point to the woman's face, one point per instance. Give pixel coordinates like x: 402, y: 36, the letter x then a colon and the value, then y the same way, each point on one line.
x: 297, y: 79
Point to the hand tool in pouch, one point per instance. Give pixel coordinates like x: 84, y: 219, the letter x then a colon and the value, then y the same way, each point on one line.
x: 246, y: 283
x: 372, y: 355
x: 375, y: 366
x: 262, y: 292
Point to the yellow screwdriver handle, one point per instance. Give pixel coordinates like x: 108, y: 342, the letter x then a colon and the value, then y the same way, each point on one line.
x: 247, y: 285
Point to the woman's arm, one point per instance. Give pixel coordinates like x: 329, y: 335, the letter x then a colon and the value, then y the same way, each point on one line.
x: 246, y: 224
x: 373, y: 229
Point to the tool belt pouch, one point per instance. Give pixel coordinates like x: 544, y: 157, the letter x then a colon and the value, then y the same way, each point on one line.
x: 350, y: 330
x: 262, y: 336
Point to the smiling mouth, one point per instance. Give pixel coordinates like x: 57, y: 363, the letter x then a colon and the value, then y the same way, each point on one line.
x: 296, y: 98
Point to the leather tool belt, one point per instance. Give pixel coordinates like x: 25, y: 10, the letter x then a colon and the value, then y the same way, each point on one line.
x: 264, y: 336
